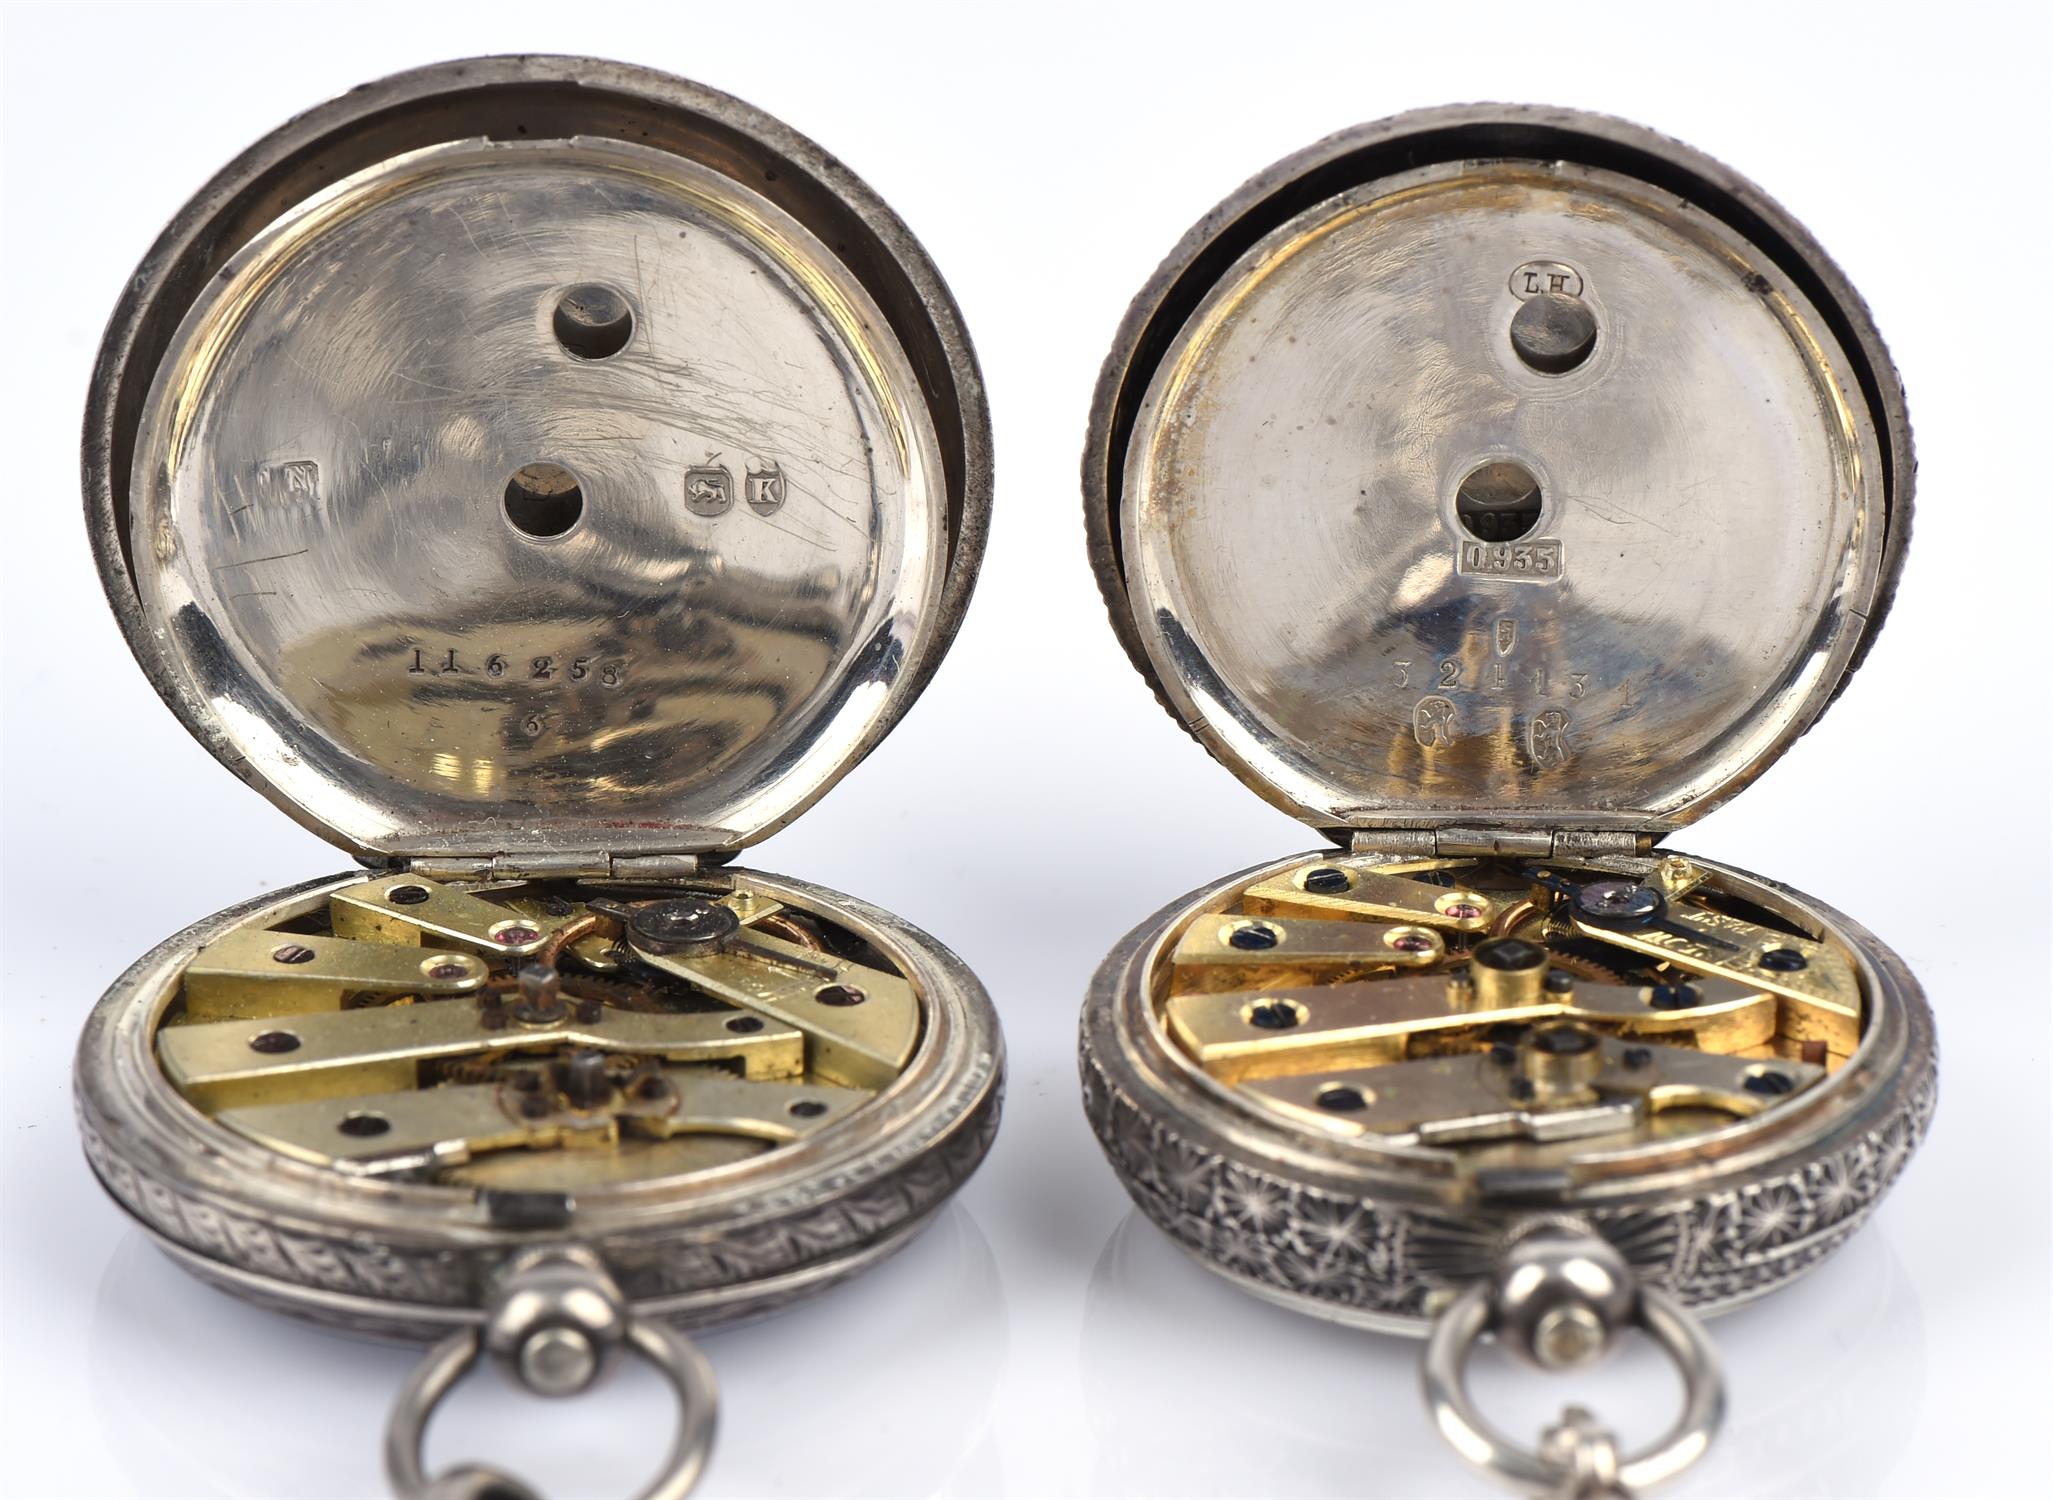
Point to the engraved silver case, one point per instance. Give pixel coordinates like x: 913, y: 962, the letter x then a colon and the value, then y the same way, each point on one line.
x: 304, y: 412
x: 1270, y: 484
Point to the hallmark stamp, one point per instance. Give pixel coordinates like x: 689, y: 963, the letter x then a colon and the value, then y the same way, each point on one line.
x: 1432, y: 722
x: 709, y: 489
x: 1538, y: 276
x: 295, y: 481
x: 1525, y: 562
x: 1547, y: 739
x: 764, y: 490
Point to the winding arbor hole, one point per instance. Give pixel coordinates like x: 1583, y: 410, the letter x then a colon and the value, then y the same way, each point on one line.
x: 543, y: 499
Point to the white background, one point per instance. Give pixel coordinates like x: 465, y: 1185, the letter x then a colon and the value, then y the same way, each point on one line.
x: 1041, y: 1340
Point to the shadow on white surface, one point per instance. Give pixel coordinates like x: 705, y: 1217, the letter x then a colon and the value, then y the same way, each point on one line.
x: 887, y: 1392
x: 1246, y: 1398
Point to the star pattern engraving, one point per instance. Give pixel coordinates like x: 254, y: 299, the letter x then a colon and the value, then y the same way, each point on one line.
x: 1773, y: 1216
x: 1708, y: 1250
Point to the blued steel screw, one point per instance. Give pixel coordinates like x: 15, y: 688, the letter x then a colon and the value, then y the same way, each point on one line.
x: 683, y: 924
x: 1273, y: 1015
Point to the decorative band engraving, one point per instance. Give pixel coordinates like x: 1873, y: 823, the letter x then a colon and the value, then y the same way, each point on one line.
x: 1362, y: 1256
x: 823, y: 1221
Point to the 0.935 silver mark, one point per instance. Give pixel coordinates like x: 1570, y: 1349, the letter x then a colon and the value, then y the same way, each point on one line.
x: 1535, y: 561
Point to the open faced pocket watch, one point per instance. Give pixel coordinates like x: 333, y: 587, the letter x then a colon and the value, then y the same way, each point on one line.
x: 543, y: 478
x: 1498, y: 490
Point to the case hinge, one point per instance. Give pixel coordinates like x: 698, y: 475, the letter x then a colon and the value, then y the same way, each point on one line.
x: 555, y: 866
x: 1513, y: 843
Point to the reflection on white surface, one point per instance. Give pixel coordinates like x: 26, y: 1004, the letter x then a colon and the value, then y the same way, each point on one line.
x: 883, y: 1392
x: 1208, y: 1391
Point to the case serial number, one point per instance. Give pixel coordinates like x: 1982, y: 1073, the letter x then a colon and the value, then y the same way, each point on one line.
x: 534, y: 668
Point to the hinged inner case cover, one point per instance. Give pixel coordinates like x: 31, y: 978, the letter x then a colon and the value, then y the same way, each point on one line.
x: 545, y: 455
x: 1498, y: 465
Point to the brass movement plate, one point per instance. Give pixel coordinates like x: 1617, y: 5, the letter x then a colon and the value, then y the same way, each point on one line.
x: 1508, y: 1009
x: 541, y: 1035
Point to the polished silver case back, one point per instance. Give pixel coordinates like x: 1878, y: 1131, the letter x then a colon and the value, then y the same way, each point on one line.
x: 1712, y: 471
x: 1292, y: 403
x: 326, y: 375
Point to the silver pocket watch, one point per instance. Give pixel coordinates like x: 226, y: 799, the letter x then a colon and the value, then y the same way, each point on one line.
x: 543, y: 478
x: 1498, y: 490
